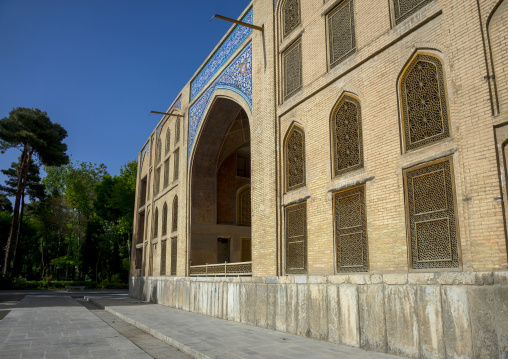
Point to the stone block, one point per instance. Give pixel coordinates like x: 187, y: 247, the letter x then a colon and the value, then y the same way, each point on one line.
x: 271, y: 307
x: 272, y: 280
x: 501, y: 310
x: 261, y: 304
x: 349, y: 318
x: 483, y: 278
x: 501, y: 278
x: 292, y: 308
x: 481, y: 309
x: 317, y: 311
x: 302, y: 327
x: 317, y: 279
x: 372, y: 317
x: 300, y: 279
x: 250, y: 302
x: 430, y: 322
x: 421, y: 278
x: 333, y: 314
x: 225, y: 300
x: 395, y: 278
x: 401, y: 321
x: 233, y: 309
x: 376, y: 278
x: 280, y: 308
x: 244, y: 302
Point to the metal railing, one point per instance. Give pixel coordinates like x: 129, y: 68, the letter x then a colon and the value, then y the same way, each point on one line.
x: 222, y: 270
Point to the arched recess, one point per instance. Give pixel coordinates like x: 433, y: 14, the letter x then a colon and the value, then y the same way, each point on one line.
x: 497, y: 24
x: 294, y: 158
x: 219, y: 166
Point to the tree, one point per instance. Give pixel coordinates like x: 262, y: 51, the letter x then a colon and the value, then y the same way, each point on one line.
x: 32, y: 132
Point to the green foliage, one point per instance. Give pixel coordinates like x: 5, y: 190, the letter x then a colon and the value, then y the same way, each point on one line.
x: 34, y: 188
x: 66, y: 261
x: 5, y: 203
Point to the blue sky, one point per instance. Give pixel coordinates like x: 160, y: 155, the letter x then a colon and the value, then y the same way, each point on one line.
x: 99, y: 66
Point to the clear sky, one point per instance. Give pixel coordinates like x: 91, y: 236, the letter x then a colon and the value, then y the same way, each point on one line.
x: 98, y: 67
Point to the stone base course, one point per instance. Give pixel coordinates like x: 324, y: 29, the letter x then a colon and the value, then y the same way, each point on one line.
x: 417, y: 315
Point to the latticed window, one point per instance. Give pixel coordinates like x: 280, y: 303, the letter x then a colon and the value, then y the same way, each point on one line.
x: 165, y: 219
x: 347, y: 136
x: 168, y: 140
x: 296, y: 239
x: 177, y: 130
x: 166, y: 173
x: 174, y: 222
x: 156, y: 223
x: 292, y: 63
x: 163, y: 257
x: 174, y: 255
x: 431, y: 215
x: 341, y: 32
x: 159, y: 150
x: 291, y: 16
x: 405, y: 8
x: 157, y: 180
x: 351, y: 230
x: 423, y: 99
x: 295, y: 159
x: 176, y: 168
x: 244, y: 207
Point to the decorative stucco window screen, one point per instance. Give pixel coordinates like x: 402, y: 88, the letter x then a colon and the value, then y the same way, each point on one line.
x: 156, y: 223
x: 174, y: 222
x: 174, y: 255
x: 168, y: 141
x: 423, y: 99
x: 177, y: 130
x: 347, y: 135
x: 292, y: 64
x: 341, y: 32
x: 159, y: 150
x: 403, y: 9
x: 166, y: 173
x: 244, y: 207
x: 157, y: 180
x: 176, y: 167
x: 430, y: 201
x: 163, y: 257
x: 291, y: 16
x: 351, y: 230
x: 295, y: 159
x: 164, y: 219
x: 296, y: 239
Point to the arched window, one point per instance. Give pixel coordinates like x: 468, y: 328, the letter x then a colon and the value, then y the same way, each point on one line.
x: 291, y: 17
x: 168, y: 140
x: 159, y: 150
x: 341, y: 32
x: 295, y: 158
x: 177, y: 130
x: 164, y: 219
x: 174, y: 224
x: 423, y: 100
x: 347, y: 140
x: 156, y: 223
x: 244, y: 207
x: 402, y: 9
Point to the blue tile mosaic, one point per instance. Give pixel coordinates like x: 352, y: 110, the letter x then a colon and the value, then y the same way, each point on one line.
x: 237, y: 77
x: 232, y: 43
x: 275, y: 4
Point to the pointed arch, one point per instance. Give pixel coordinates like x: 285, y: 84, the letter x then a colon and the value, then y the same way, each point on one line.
x: 294, y: 158
x: 174, y: 222
x: 346, y: 132
x: 177, y: 130
x: 164, y: 219
x: 156, y: 223
x: 159, y: 150
x: 243, y: 206
x: 290, y: 16
x: 423, y: 101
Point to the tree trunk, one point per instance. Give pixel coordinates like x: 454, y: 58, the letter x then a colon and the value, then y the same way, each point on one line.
x: 22, y: 175
x: 20, y: 223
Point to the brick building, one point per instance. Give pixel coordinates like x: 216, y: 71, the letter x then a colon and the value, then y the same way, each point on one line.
x: 340, y: 174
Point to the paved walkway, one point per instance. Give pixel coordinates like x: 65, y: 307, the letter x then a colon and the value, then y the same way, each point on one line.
x: 206, y: 337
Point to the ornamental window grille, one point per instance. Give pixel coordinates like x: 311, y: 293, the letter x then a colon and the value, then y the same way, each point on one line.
x: 174, y: 222
x: 159, y: 150
x: 166, y: 173
x: 351, y: 230
x: 174, y: 255
x: 347, y: 136
x: 291, y: 16
x: 295, y: 159
x: 163, y: 257
x: 430, y: 201
x: 244, y: 207
x: 164, y: 219
x: 147, y: 235
x: 168, y: 141
x: 156, y: 223
x: 157, y: 181
x: 403, y: 9
x: 176, y: 166
x: 296, y: 239
x: 341, y: 32
x: 423, y: 99
x: 292, y: 63
x: 177, y: 130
